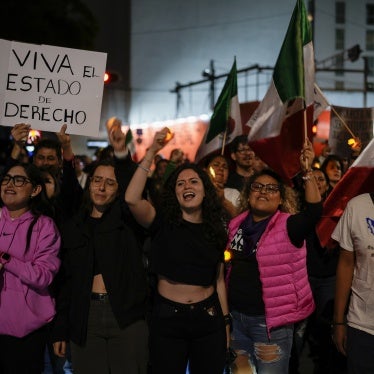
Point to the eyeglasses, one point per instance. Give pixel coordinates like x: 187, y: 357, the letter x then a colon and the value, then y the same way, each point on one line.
x: 268, y: 188
x: 109, y: 183
x: 244, y: 150
x: 18, y: 180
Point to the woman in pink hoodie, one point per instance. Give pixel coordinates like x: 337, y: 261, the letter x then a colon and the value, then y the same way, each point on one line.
x: 29, y: 246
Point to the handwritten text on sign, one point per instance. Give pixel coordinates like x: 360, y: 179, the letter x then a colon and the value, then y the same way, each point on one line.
x: 48, y: 86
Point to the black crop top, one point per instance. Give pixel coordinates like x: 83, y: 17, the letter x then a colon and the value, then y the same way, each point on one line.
x: 92, y: 223
x: 182, y: 253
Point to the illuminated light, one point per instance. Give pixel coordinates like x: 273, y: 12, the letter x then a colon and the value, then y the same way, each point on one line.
x: 169, y: 135
x: 212, y: 172
x: 33, y: 136
x: 314, y: 129
x: 110, y: 77
x: 113, y: 122
x: 227, y: 255
x: 351, y: 142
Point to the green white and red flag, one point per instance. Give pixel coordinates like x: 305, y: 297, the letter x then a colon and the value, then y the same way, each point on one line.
x: 225, y: 122
x: 277, y: 127
x: 358, y: 179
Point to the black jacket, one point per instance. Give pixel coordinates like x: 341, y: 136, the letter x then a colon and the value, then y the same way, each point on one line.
x: 119, y: 254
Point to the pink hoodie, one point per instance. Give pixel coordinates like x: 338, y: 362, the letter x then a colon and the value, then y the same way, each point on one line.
x: 25, y: 302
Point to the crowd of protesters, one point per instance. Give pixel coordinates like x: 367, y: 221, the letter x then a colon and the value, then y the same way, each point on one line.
x: 167, y: 266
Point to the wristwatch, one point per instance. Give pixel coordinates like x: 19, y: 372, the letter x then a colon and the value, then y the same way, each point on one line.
x: 4, y: 257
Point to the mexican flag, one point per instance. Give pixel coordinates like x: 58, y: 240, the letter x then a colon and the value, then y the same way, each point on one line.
x: 358, y: 179
x: 225, y: 123
x: 277, y: 127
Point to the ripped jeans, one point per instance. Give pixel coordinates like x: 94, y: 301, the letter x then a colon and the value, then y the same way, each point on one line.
x: 249, y: 336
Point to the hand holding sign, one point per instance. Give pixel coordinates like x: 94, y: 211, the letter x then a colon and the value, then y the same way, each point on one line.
x: 65, y: 143
x: 20, y: 132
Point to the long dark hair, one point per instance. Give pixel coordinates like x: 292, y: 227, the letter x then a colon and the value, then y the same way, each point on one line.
x: 87, y: 203
x: 212, y: 210
x: 330, y: 158
x: 39, y: 204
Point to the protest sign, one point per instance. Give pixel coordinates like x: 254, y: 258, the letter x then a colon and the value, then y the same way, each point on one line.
x: 47, y: 86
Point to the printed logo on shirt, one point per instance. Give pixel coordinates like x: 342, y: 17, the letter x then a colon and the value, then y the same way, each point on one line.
x: 237, y: 241
x: 370, y: 223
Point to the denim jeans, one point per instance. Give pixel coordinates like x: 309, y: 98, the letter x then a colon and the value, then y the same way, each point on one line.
x: 181, y: 333
x: 57, y: 365
x: 269, y: 354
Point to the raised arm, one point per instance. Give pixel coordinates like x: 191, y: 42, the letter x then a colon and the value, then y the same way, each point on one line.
x: 124, y: 165
x: 344, y: 276
x: 19, y: 133
x: 64, y: 138
x: 312, y: 194
x: 142, y: 210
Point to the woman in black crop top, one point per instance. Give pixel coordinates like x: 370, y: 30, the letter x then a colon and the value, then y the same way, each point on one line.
x: 188, y: 240
x: 101, y: 307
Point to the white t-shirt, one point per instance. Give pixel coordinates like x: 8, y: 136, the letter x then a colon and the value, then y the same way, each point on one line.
x: 232, y: 195
x: 355, y: 232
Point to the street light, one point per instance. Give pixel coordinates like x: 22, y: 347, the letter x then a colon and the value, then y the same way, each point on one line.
x: 111, y: 77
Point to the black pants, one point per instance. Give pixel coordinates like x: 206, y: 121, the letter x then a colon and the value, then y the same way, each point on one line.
x: 360, y: 351
x: 108, y: 348
x: 181, y: 333
x: 23, y: 355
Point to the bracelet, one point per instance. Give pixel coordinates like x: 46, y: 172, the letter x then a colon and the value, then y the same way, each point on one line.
x: 307, y: 175
x: 228, y: 319
x: 143, y: 168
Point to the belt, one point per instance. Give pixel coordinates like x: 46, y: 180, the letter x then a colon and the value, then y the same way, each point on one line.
x: 99, y: 296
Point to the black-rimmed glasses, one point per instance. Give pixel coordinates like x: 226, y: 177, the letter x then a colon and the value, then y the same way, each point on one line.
x: 18, y: 180
x: 267, y: 188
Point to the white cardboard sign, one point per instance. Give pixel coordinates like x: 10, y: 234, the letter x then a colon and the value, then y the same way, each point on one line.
x: 47, y: 86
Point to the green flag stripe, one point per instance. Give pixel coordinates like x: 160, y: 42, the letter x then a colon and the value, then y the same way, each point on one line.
x: 288, y: 74
x: 221, y: 112
x: 129, y: 137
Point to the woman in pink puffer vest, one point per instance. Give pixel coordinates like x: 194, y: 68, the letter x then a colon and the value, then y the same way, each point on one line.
x: 267, y: 278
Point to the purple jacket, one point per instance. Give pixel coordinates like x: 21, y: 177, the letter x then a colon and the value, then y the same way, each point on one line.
x: 285, y: 287
x: 25, y: 302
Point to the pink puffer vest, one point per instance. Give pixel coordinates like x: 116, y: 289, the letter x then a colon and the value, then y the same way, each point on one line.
x: 285, y: 287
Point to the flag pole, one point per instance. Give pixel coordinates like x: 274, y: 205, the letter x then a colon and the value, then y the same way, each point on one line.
x: 336, y: 113
x: 305, y: 133
x: 224, y: 142
x: 305, y: 123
